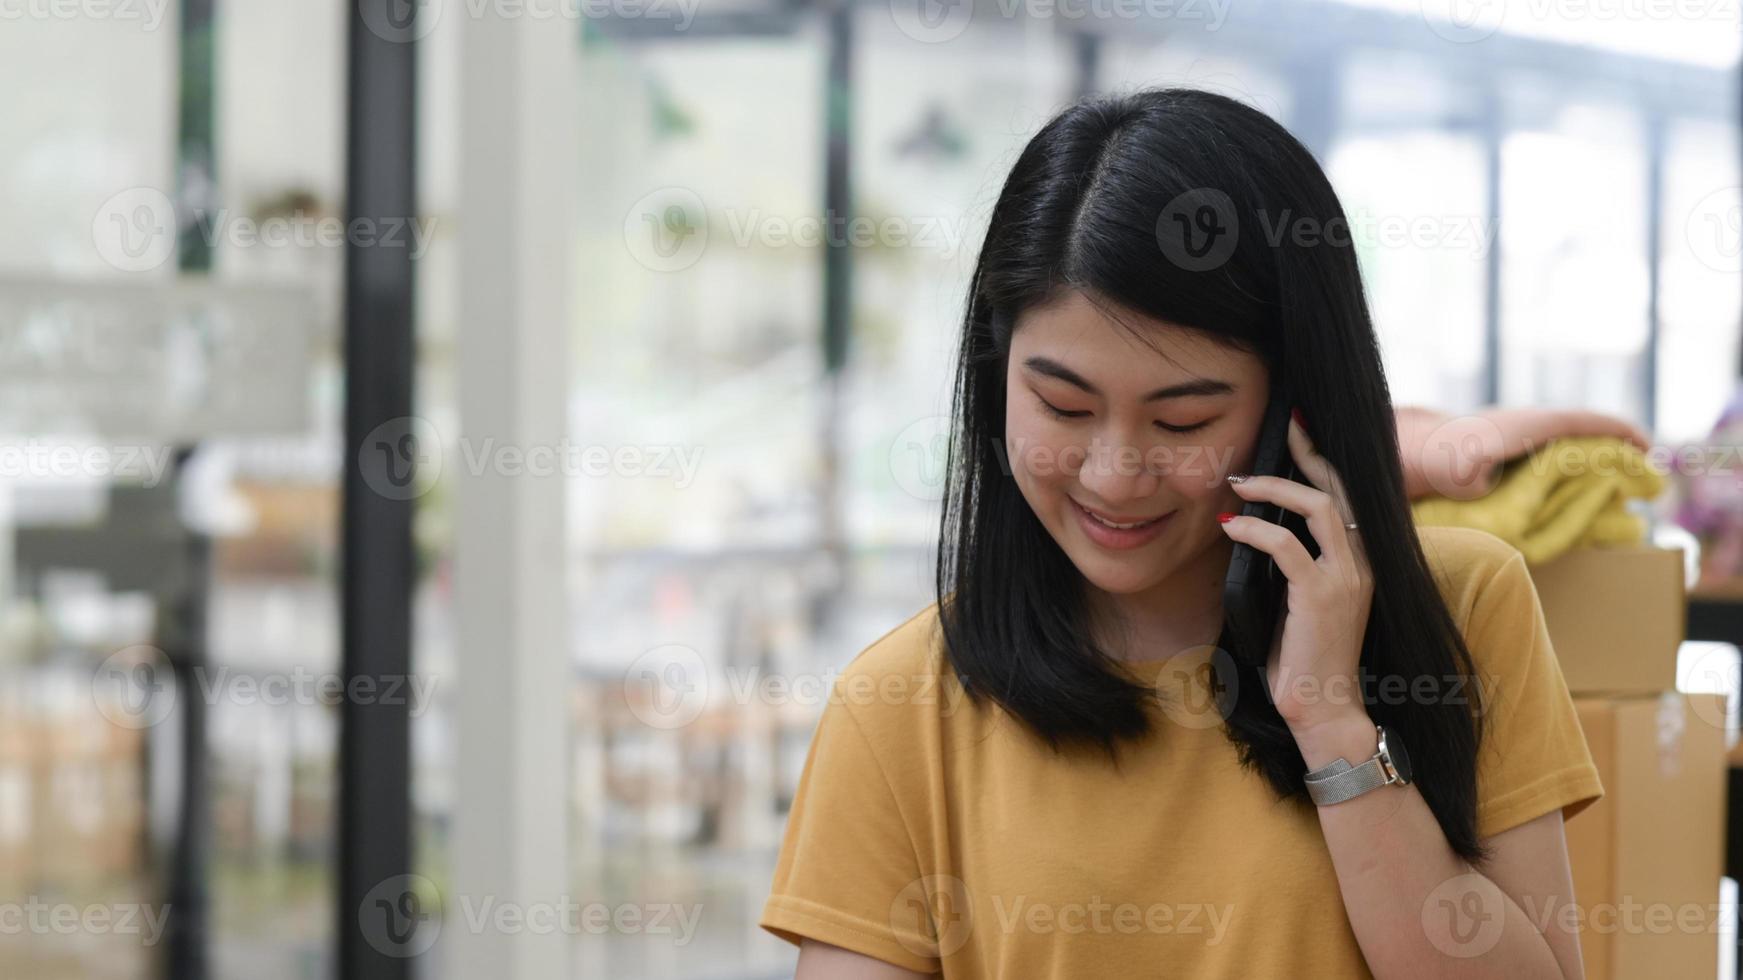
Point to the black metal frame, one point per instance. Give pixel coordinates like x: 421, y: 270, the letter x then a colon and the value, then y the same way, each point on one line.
x: 1721, y: 620
x: 187, y: 894
x: 374, y: 819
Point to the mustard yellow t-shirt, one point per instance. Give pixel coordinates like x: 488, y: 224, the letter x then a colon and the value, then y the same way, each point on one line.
x: 944, y: 837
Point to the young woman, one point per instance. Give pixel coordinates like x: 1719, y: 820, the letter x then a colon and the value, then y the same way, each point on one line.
x: 1059, y: 769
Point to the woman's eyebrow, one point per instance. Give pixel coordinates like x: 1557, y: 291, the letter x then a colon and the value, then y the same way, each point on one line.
x: 1185, y: 389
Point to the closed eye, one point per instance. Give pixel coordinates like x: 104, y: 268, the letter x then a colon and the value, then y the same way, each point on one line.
x: 1183, y: 428
x: 1061, y: 413
x: 1057, y: 411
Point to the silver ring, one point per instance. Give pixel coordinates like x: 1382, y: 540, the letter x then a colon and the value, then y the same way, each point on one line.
x: 1350, y: 526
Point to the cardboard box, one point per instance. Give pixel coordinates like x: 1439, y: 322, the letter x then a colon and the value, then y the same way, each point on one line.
x: 1648, y: 856
x: 1616, y: 615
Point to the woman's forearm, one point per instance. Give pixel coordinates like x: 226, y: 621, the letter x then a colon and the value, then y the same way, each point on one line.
x: 1393, y: 866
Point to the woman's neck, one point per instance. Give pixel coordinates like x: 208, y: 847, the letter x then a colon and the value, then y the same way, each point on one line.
x: 1177, y: 614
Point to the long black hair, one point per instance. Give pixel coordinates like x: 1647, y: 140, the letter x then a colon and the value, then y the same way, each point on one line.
x: 1185, y: 206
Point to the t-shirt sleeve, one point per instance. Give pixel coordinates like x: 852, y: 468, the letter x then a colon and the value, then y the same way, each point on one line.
x: 848, y: 873
x: 1534, y: 756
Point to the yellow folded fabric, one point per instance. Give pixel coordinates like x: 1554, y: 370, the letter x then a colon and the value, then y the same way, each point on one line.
x: 1571, y: 493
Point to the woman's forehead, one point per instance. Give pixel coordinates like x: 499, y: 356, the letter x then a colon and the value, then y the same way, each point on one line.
x: 1079, y: 335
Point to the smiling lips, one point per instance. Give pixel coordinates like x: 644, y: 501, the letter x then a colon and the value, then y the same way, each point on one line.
x: 1127, y: 524
x: 1118, y: 535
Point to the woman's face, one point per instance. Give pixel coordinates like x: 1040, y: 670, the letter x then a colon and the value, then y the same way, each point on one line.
x: 1146, y: 437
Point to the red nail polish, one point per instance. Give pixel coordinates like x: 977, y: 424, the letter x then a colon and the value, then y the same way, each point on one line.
x: 1298, y: 419
x: 1225, y: 517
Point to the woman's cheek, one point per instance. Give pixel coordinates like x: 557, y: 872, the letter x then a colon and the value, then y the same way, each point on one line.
x: 1034, y: 454
x: 1199, y: 472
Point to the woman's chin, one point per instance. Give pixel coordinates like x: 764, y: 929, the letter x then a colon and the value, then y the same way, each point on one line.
x: 1118, y: 581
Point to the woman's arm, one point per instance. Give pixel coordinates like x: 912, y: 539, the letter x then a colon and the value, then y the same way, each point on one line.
x: 822, y: 961
x: 1421, y: 912
x: 1418, y: 909
x: 1460, y: 456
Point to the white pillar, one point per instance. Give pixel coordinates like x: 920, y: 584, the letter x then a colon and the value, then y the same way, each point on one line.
x: 518, y: 167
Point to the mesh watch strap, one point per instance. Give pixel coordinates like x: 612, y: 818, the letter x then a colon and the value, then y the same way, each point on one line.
x: 1338, y: 781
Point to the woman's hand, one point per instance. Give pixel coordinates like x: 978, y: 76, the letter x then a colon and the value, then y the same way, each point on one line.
x: 1312, y: 670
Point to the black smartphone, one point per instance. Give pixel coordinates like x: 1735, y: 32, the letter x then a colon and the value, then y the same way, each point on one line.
x: 1254, y: 589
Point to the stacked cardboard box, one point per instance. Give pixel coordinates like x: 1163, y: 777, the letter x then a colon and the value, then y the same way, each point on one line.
x: 1647, y: 858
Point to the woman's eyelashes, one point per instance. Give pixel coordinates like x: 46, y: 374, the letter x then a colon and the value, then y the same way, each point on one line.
x: 1058, y: 412
x: 1061, y: 413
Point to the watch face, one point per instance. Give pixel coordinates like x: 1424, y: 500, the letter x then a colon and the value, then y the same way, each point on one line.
x: 1393, y: 746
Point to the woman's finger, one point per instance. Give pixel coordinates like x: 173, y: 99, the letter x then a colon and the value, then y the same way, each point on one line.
x: 1275, y: 540
x: 1313, y: 504
x: 1319, y: 471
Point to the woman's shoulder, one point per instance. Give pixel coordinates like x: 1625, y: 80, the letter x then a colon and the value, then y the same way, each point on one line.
x: 1489, y: 590
x: 909, y: 645
x: 1453, y: 547
x: 1534, y: 757
x: 1466, y: 559
x: 898, y: 672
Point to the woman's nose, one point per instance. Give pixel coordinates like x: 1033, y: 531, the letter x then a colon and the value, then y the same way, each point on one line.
x: 1117, y: 472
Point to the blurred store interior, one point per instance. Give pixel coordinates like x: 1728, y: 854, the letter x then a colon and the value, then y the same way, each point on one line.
x: 608, y: 241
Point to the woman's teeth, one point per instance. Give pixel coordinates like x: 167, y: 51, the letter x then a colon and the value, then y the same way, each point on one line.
x: 1122, y: 527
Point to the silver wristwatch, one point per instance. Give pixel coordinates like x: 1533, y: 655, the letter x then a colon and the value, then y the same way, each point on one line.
x: 1337, y: 780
